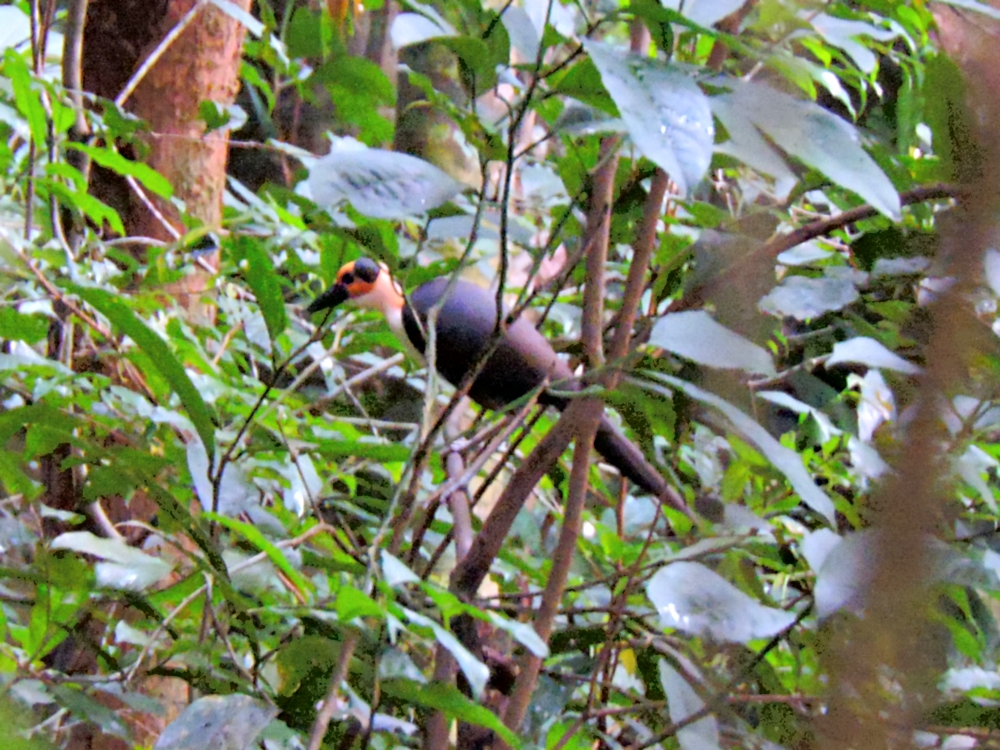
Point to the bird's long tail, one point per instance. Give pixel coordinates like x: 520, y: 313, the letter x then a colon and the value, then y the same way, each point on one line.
x: 625, y: 456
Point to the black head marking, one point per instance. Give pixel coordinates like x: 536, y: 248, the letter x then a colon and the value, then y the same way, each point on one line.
x: 366, y: 269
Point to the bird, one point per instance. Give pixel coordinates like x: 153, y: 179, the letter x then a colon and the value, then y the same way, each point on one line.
x: 466, y: 322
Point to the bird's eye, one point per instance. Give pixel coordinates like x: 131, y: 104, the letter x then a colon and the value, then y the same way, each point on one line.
x: 347, y: 278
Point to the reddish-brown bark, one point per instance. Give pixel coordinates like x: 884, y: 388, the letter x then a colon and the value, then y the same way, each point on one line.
x: 201, y: 65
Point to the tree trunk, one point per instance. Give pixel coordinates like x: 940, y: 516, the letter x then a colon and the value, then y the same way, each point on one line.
x: 201, y: 64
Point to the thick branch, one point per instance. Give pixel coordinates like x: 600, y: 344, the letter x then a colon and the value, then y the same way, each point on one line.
x: 598, y: 227
x: 562, y: 559
x: 820, y: 228
x: 76, y: 18
x: 470, y: 572
x: 642, y: 252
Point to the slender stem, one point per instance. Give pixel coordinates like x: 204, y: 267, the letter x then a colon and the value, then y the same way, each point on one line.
x: 158, y: 52
x: 819, y: 228
x: 331, y: 702
x: 76, y: 19
x: 598, y: 228
x: 642, y: 252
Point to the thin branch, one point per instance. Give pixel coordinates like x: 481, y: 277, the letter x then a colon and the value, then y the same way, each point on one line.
x: 820, y: 228
x: 193, y: 596
x: 151, y: 207
x: 158, y: 52
x: 97, y: 513
x: 470, y: 572
x: 562, y: 559
x: 57, y: 294
x: 331, y: 703
x: 502, y: 461
x: 642, y: 252
x: 462, y: 480
x: 76, y: 19
x: 255, y: 413
x: 149, y: 241
x: 721, y: 697
x: 355, y: 380
x: 445, y: 666
x: 458, y: 504
x: 826, y: 226
x: 161, y: 628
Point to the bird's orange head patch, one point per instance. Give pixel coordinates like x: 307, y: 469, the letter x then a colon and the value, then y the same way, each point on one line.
x: 358, y: 277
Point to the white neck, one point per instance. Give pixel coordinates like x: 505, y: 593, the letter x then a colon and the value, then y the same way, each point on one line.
x: 388, y: 300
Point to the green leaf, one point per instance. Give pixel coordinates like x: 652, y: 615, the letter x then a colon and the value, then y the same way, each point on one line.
x: 379, y: 452
x: 946, y: 114
x: 335, y: 560
x: 304, y: 36
x: 14, y: 479
x: 266, y: 286
x: 82, y: 705
x: 470, y: 50
x: 18, y: 327
x: 359, y: 90
x: 121, y: 316
x: 42, y: 438
x: 356, y: 73
x: 26, y: 97
x: 448, y: 699
x: 352, y: 603
x: 91, y: 207
x: 111, y: 159
x: 13, y: 720
x: 667, y: 115
x: 43, y: 417
x: 583, y: 81
x: 216, y: 115
x: 253, y: 78
x: 68, y: 173
x: 274, y: 554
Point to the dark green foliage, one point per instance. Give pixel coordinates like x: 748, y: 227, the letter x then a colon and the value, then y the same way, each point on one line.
x: 263, y: 467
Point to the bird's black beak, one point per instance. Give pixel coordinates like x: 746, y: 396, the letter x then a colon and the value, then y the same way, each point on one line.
x: 329, y: 299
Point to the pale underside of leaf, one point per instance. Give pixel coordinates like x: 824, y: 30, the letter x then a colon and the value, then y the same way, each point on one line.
x: 667, y: 115
x: 694, y: 599
x: 785, y: 460
x: 219, y: 722
x: 694, y: 334
x: 867, y: 351
x: 121, y: 567
x: 806, y: 298
x: 811, y: 134
x: 381, y: 184
x: 682, y: 702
